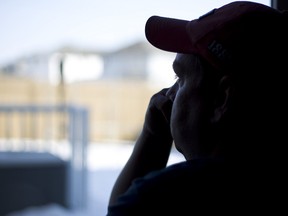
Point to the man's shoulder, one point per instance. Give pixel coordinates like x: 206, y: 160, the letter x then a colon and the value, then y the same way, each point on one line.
x: 185, y: 174
x: 200, y: 180
x: 205, y: 185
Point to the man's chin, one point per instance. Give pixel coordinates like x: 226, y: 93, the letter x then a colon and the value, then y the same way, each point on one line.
x: 178, y: 149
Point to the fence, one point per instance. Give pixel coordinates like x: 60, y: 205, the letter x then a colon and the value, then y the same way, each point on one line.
x: 61, y: 130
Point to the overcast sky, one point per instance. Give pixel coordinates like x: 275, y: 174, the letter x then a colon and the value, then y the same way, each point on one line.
x: 33, y: 26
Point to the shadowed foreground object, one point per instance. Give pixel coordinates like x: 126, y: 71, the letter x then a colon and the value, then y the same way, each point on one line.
x: 31, y: 179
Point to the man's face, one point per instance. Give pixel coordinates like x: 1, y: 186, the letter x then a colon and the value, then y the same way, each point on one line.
x: 187, y: 116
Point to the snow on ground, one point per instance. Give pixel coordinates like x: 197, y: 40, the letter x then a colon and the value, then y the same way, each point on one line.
x: 104, y: 162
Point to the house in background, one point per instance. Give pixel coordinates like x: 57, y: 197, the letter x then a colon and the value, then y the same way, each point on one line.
x: 65, y: 63
x: 139, y: 61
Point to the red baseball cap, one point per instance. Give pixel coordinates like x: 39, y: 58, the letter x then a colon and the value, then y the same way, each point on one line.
x: 237, y: 32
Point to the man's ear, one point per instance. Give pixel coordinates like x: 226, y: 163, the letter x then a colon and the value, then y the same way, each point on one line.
x: 222, y: 98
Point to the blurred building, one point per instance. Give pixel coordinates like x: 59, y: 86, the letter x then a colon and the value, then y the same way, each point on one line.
x: 115, y: 86
x: 138, y: 61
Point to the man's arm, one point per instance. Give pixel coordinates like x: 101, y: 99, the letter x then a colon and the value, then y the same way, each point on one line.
x: 152, y: 148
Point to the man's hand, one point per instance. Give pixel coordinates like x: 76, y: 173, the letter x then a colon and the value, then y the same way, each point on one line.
x: 158, y: 114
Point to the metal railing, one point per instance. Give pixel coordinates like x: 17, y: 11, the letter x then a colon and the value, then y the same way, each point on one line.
x: 58, y: 129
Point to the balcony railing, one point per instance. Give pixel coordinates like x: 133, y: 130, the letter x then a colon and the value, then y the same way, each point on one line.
x: 60, y: 130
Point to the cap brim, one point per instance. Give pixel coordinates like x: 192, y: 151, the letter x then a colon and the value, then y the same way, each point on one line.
x: 168, y: 34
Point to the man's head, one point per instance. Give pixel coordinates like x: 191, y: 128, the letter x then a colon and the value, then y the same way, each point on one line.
x: 243, y: 43
x: 195, y: 109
